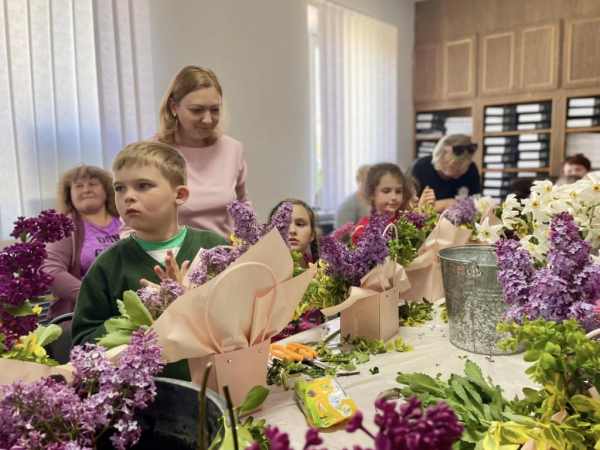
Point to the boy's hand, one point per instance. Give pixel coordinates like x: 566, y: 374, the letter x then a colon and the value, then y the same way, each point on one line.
x: 427, y: 197
x: 174, y: 272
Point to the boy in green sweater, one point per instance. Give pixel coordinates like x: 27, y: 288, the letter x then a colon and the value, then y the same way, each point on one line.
x: 150, y: 185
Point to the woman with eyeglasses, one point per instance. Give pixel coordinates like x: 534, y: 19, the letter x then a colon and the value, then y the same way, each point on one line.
x: 449, y: 171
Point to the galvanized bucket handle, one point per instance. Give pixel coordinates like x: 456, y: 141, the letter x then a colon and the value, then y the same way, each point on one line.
x: 473, y: 270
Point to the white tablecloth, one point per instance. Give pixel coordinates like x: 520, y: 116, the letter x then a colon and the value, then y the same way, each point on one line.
x: 433, y: 353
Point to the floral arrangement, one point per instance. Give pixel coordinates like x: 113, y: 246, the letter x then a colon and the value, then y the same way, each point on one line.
x: 530, y: 218
x: 468, y: 214
x: 247, y: 232
x: 568, y: 287
x: 408, y: 237
x: 342, y: 265
x: 23, y: 283
x: 407, y: 427
x: 54, y: 415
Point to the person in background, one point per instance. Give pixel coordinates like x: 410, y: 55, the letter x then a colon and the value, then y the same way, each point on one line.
x: 449, y: 171
x: 521, y: 187
x: 357, y: 205
x: 86, y: 195
x: 303, y: 239
x: 385, y: 188
x: 577, y: 165
x: 189, y: 116
x: 411, y: 197
x: 567, y: 179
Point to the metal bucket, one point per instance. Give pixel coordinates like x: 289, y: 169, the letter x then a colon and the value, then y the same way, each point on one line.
x: 473, y: 298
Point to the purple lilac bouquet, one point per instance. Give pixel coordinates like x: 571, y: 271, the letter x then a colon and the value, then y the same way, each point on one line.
x: 409, y: 428
x: 156, y: 300
x: 568, y: 288
x: 353, y: 264
x: 21, y: 277
x: 247, y: 231
x: 50, y: 414
x: 462, y: 213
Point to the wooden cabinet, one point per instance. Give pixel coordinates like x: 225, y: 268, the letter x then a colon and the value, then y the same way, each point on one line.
x: 582, y: 52
x: 427, y: 70
x: 498, y: 63
x: 539, y: 57
x: 459, y: 68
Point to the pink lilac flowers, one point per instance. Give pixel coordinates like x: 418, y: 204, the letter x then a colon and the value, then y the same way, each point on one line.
x: 21, y: 277
x: 463, y: 212
x: 48, y: 414
x: 568, y: 288
x: 407, y: 428
x: 247, y: 232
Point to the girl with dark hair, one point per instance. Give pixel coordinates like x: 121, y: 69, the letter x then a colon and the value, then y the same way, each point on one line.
x: 303, y: 239
x: 385, y: 188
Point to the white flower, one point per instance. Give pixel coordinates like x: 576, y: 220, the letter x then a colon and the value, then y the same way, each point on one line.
x: 486, y: 232
x: 482, y: 202
x: 538, y: 251
x: 592, y: 182
x: 533, y: 205
x: 511, y: 203
x: 544, y: 189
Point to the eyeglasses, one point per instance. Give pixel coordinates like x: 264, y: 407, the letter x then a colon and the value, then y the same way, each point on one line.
x: 460, y: 149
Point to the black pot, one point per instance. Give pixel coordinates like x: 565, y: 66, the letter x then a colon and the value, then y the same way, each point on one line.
x: 171, y: 421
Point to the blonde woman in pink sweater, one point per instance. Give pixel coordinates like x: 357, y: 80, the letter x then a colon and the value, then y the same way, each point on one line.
x: 189, y: 116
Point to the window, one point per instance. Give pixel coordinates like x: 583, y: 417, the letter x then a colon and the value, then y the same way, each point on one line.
x: 353, y: 64
x: 75, y: 87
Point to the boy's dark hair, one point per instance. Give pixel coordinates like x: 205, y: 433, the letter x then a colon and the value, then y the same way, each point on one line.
x: 579, y: 160
x: 314, y: 245
x: 377, y: 172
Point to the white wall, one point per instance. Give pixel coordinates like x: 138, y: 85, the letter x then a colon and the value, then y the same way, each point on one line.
x: 259, y: 51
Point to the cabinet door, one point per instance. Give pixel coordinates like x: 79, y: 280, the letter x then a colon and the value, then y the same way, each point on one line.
x: 498, y: 63
x: 426, y: 73
x: 582, y: 52
x: 539, y: 57
x: 459, y: 68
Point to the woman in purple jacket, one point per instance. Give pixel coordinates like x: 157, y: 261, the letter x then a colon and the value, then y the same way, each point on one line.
x: 86, y: 195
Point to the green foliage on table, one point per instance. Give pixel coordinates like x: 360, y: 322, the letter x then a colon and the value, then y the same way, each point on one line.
x: 567, y: 364
x: 444, y: 314
x: 476, y: 401
x: 415, y: 314
x: 134, y: 315
x: 403, y: 248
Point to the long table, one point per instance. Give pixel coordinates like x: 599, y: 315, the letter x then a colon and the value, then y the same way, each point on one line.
x: 433, y: 353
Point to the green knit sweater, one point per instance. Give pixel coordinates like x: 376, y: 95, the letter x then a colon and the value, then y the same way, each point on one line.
x: 118, y: 269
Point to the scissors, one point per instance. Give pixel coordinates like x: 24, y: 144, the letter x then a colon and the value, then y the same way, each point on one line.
x: 298, y: 352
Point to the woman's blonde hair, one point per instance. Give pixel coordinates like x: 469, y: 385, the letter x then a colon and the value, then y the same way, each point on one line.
x: 189, y: 79
x: 442, y: 158
x: 165, y: 158
x: 64, y: 203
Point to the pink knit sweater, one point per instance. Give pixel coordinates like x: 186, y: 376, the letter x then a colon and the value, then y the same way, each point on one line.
x: 216, y: 176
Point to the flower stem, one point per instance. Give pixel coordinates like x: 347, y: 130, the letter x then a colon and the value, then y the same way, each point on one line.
x: 202, y: 407
x: 231, y: 417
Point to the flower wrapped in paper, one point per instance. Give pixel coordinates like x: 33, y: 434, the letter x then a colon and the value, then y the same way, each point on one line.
x: 230, y: 319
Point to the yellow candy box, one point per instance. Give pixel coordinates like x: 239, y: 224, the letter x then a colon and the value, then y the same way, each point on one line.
x: 324, y: 402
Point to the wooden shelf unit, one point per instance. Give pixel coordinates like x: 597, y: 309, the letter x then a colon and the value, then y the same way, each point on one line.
x: 518, y: 132
x: 459, y: 110
x: 593, y: 150
x: 583, y: 130
x: 518, y: 169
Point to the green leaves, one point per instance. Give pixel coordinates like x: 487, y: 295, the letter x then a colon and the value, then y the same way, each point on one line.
x: 134, y: 315
x: 47, y: 335
x: 24, y: 309
x: 404, y: 248
x: 415, y: 314
x: 255, y: 398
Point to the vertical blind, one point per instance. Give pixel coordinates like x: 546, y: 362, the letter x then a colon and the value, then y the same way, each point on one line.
x: 358, y: 96
x: 75, y: 87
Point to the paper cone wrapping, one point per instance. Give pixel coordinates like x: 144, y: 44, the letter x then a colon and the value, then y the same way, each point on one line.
x: 240, y: 309
x: 425, y: 272
x: 371, y: 310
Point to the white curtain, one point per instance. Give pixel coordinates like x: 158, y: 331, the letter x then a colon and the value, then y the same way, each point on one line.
x: 75, y: 87
x: 358, y: 96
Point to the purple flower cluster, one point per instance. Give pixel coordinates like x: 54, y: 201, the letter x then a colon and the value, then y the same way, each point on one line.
x: 463, y: 212
x: 158, y: 299
x: 371, y: 249
x: 247, y: 231
x: 21, y: 277
x: 568, y: 288
x: 419, y: 220
x: 410, y: 428
x: 48, y: 414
